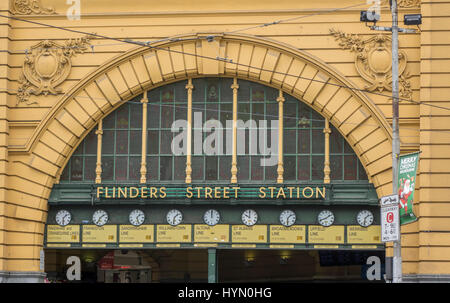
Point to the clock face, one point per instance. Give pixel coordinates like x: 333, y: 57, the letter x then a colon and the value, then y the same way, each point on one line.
x: 364, y: 218
x: 287, y: 218
x: 100, y: 217
x: 249, y: 217
x: 63, y: 217
x: 136, y: 217
x: 174, y: 217
x: 211, y: 217
x: 325, y: 218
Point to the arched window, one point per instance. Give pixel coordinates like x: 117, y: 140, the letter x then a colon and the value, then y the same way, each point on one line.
x: 212, y: 129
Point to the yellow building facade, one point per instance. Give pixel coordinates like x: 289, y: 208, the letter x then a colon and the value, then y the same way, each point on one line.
x: 61, y: 75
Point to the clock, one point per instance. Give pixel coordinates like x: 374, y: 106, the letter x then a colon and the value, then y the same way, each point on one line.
x: 211, y: 217
x: 325, y: 218
x: 174, y: 217
x: 287, y: 218
x: 63, y: 217
x: 100, y: 217
x: 364, y: 218
x: 249, y: 217
x: 136, y: 217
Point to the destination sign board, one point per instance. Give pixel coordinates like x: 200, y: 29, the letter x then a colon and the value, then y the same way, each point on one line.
x: 206, y: 233
x: 282, y: 234
x: 168, y: 233
x: 63, y: 234
x: 136, y: 234
x: 249, y: 234
x: 99, y: 234
x: 321, y: 234
x: 363, y: 235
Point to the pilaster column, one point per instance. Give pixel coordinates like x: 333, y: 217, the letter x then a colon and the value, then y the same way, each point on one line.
x: 280, y: 169
x: 144, y: 102
x: 326, y: 163
x: 98, y: 168
x: 234, y: 170
x: 189, y: 88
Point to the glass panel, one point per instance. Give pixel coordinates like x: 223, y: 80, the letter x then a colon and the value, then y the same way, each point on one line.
x: 181, y: 112
x: 336, y: 167
x: 243, y: 91
x: 226, y: 93
x: 181, y: 92
x: 243, y: 167
x: 289, y: 167
x: 197, y: 168
x: 90, y: 143
x: 152, y: 168
x: 303, y: 141
x: 89, y: 168
x: 335, y: 141
x: 318, y: 145
x: 167, y: 93
x: 108, y: 142
x: 136, y: 114
x: 122, y: 116
x: 225, y: 168
x: 347, y: 148
x: 289, y: 142
x: 153, y: 142
x: 290, y: 114
x: 135, y: 168
x: 153, y: 110
x: 107, y: 168
x: 76, y: 169
x: 317, y: 168
x: 166, y: 142
x: 121, y: 168
x: 318, y: 120
x: 166, y: 115
x: 303, y: 168
x: 212, y: 91
x: 136, y: 142
x: 271, y: 173
x: 180, y: 168
x: 154, y: 95
x: 211, y: 168
x: 271, y: 94
x: 122, y: 142
x: 165, y: 169
x: 226, y: 113
x: 350, y: 167
x: 212, y: 112
x: 110, y: 121
x: 258, y: 112
x: 271, y: 113
x: 257, y: 172
x: 198, y: 94
x: 243, y: 112
x: 257, y: 93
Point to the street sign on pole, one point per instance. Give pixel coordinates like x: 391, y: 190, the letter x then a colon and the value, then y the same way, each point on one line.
x: 390, y: 224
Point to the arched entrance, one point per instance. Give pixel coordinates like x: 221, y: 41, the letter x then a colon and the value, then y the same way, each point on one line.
x: 125, y: 77
x: 134, y: 168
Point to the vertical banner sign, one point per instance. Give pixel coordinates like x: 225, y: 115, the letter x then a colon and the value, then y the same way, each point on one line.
x: 406, y: 184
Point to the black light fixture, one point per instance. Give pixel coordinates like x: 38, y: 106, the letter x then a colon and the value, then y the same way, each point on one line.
x: 369, y: 16
x: 415, y: 19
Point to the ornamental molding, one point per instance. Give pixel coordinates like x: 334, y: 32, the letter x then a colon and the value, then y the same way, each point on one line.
x: 404, y: 3
x: 374, y: 61
x: 29, y: 7
x: 47, y: 66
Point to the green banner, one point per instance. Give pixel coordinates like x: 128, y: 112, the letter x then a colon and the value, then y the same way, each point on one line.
x: 407, y: 169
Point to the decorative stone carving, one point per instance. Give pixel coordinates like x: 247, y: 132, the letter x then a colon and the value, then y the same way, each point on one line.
x: 404, y: 3
x: 47, y: 66
x: 374, y: 61
x: 28, y: 7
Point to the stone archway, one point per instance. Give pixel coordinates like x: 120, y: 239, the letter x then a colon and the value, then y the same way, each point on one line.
x: 143, y: 68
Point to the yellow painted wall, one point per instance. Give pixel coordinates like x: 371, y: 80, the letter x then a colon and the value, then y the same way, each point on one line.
x: 36, y: 140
